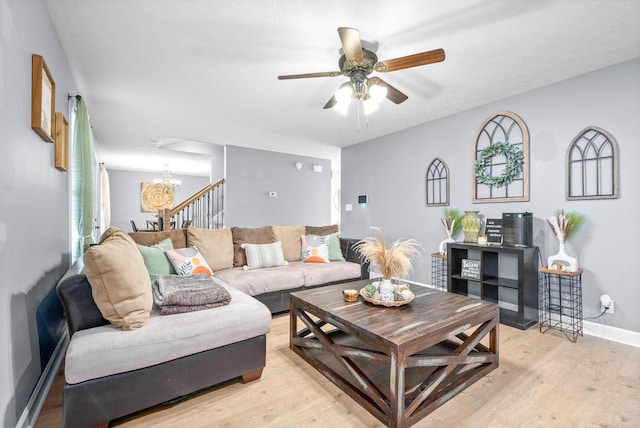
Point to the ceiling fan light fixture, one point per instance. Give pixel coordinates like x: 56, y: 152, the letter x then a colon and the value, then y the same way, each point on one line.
x: 344, y: 94
x: 342, y: 108
x: 377, y: 92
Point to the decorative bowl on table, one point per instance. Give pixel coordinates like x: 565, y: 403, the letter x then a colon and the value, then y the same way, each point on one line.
x: 402, y: 295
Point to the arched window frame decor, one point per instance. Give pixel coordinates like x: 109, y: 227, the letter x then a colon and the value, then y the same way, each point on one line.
x: 592, y: 161
x: 503, y: 127
x: 437, y: 177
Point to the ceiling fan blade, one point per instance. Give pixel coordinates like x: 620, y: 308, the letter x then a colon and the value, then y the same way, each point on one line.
x: 332, y: 101
x: 393, y: 94
x: 409, y: 61
x: 306, y: 75
x: 350, y: 38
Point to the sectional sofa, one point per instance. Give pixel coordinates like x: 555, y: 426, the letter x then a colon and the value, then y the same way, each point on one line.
x: 124, y: 356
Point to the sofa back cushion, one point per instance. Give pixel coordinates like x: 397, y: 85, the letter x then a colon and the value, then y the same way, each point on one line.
x: 215, y: 245
x: 290, y: 238
x: 321, y: 230
x: 178, y: 237
x: 119, y: 280
x: 243, y: 235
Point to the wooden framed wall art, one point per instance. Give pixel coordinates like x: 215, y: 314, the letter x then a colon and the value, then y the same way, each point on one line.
x: 154, y: 197
x: 43, y: 99
x: 61, y: 157
x: 501, y: 160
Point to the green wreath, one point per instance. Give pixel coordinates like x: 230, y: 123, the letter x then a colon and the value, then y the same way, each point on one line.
x: 512, y: 168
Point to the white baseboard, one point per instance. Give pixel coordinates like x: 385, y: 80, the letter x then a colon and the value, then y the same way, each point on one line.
x: 39, y: 395
x: 615, y: 334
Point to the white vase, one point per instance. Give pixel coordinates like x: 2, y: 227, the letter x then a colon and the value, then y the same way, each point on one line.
x: 386, y: 290
x: 562, y: 260
x: 442, y: 248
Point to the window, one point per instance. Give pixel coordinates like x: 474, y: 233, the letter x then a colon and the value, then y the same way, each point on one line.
x: 502, y: 137
x: 437, y: 183
x: 592, y: 166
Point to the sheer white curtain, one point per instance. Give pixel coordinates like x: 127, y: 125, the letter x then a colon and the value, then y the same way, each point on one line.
x: 105, y: 199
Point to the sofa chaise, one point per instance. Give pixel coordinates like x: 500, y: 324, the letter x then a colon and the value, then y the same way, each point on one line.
x: 112, y: 372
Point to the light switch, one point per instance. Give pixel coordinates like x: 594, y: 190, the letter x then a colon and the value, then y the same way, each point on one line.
x: 348, y: 207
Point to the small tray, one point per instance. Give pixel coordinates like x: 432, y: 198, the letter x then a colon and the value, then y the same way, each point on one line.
x: 395, y: 303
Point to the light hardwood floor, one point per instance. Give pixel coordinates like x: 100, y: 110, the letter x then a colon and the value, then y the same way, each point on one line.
x: 543, y: 380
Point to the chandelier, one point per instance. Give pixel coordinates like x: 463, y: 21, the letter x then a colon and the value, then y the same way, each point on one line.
x: 167, y: 182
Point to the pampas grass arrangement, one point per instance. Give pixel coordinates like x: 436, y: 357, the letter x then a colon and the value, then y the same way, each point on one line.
x: 396, y: 260
x: 564, y: 225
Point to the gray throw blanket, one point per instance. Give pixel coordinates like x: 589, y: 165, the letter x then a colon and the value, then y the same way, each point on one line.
x: 176, y: 294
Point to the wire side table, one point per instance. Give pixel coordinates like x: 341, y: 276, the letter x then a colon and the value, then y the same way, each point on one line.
x: 439, y: 271
x: 560, y: 302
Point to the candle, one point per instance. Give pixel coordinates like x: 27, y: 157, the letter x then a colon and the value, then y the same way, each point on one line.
x: 482, y: 240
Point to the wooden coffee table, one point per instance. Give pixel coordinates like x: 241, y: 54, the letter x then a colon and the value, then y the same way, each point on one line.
x: 399, y: 363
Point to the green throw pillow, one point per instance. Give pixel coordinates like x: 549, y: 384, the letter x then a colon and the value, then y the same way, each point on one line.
x: 156, y: 260
x: 335, y: 253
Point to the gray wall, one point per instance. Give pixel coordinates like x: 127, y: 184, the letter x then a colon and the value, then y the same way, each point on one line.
x: 303, y: 196
x: 125, y: 195
x: 392, y: 170
x: 34, y: 216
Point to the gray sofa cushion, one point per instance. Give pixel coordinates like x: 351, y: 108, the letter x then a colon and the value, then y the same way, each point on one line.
x: 324, y: 273
x: 263, y: 280
x: 105, y: 350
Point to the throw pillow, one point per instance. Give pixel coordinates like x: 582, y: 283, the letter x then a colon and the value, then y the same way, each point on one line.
x: 263, y: 255
x: 321, y: 230
x: 156, y: 260
x: 290, y: 238
x: 189, y: 261
x: 119, y: 280
x: 242, y: 235
x: 315, y: 249
x: 335, y: 252
x: 215, y: 245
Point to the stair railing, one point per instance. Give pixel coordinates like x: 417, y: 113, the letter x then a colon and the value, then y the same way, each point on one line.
x: 204, y: 209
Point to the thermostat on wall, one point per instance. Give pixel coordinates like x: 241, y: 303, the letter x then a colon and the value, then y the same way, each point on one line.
x: 362, y: 199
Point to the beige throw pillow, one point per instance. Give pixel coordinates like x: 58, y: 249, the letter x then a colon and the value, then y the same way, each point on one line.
x: 215, y: 245
x: 290, y: 238
x: 119, y: 280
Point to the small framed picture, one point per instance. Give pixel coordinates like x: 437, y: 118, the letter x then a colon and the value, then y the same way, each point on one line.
x: 61, y: 158
x: 43, y: 99
x: 470, y: 269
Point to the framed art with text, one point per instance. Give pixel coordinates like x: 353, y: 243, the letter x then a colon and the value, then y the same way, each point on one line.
x: 43, y: 99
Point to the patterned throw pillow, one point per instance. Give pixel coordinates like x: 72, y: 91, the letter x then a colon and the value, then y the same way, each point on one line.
x: 263, y: 255
x: 188, y: 261
x: 315, y: 249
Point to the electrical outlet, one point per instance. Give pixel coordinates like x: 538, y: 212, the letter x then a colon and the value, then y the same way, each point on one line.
x: 611, y: 307
x: 606, y: 303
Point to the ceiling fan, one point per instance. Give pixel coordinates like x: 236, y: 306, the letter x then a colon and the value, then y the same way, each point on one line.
x: 358, y: 63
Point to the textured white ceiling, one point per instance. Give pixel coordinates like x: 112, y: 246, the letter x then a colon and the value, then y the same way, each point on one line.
x: 206, y: 71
